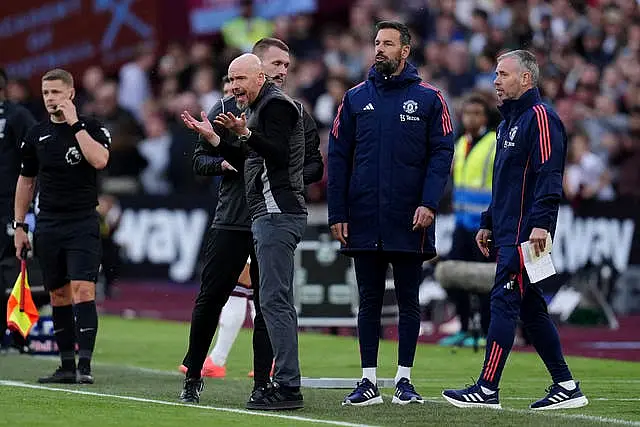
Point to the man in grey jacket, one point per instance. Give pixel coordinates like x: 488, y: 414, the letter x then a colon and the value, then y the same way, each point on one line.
x: 273, y: 140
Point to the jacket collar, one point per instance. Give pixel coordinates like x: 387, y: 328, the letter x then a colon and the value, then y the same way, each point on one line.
x: 266, y: 88
x: 514, y: 107
x: 408, y: 75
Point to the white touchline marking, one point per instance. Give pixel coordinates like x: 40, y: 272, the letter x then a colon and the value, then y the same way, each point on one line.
x: 164, y: 402
x: 551, y: 414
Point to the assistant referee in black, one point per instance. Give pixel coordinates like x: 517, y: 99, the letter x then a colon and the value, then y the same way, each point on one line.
x: 15, y: 122
x: 64, y: 152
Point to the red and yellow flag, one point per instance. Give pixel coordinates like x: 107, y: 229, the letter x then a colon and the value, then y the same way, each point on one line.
x: 22, y: 313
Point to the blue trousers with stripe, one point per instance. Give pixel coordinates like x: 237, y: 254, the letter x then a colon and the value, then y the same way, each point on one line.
x: 512, y: 296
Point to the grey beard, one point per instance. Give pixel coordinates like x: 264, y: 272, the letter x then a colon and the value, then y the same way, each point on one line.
x: 241, y: 107
x: 387, y: 67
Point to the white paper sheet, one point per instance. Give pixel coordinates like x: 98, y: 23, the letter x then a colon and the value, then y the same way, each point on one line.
x: 538, y: 267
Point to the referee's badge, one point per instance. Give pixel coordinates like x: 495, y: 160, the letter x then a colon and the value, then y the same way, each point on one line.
x: 73, y: 156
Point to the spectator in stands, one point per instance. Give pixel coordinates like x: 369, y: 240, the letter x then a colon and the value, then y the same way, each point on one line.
x: 92, y: 79
x: 125, y: 162
x: 327, y: 104
x: 203, y: 84
x: 302, y: 41
x: 586, y: 174
x: 243, y: 31
x: 155, y: 149
x: 627, y: 158
x: 472, y: 178
x: 18, y: 91
x: 135, y: 87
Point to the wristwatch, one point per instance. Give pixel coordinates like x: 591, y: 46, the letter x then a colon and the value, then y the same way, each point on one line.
x: 78, y: 126
x: 22, y: 225
x: 245, y: 138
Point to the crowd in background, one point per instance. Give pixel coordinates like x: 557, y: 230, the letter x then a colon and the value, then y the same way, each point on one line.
x: 588, y: 51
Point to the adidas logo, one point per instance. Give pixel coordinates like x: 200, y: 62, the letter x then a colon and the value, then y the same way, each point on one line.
x: 473, y: 397
x: 559, y: 397
x: 369, y: 394
x: 368, y: 107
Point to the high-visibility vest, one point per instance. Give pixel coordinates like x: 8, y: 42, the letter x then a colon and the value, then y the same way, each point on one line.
x: 472, y: 179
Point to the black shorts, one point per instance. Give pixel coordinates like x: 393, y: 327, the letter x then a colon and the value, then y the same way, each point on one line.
x: 68, y: 249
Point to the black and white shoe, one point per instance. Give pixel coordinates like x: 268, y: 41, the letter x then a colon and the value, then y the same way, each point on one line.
x: 191, y: 390
x: 276, y: 397
x: 559, y: 397
x: 60, y: 376
x: 84, y: 375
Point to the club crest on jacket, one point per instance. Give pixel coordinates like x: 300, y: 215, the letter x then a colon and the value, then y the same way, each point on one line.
x: 410, y: 106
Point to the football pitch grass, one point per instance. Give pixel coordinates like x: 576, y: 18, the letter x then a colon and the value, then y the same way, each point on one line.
x: 137, y: 384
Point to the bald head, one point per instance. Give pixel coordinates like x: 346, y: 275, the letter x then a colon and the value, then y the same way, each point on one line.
x: 247, y: 77
x: 247, y: 62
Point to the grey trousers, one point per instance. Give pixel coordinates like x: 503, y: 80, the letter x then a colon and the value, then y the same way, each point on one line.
x: 275, y: 237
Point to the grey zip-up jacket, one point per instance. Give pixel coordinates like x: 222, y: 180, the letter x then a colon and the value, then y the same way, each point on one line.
x: 275, y: 160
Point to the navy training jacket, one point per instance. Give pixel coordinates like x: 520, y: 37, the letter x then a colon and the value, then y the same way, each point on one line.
x: 527, y: 174
x: 390, y: 151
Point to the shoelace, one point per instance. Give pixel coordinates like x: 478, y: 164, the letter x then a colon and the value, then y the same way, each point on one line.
x: 407, y: 387
x: 474, y: 384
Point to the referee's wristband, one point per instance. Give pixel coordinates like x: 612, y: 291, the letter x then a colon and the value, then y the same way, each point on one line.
x: 78, y: 126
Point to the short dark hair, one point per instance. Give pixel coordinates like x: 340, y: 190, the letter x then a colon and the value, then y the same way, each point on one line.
x: 405, y: 35
x: 3, y: 78
x: 475, y: 98
x: 480, y: 13
x: 265, y: 43
x: 225, y: 80
x: 58, y: 74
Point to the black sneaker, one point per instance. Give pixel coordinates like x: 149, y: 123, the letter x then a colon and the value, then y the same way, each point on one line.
x: 60, y: 376
x: 257, y: 394
x: 191, y: 390
x: 275, y: 397
x: 84, y: 375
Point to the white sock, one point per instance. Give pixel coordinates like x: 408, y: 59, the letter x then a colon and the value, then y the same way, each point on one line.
x: 403, y: 372
x: 486, y: 390
x: 231, y: 320
x: 370, y: 374
x: 568, y: 385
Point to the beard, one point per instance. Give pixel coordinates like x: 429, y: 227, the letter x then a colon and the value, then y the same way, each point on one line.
x: 387, y: 66
x: 241, y: 105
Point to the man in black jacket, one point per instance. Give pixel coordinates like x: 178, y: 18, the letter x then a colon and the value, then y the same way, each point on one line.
x: 273, y: 138
x: 15, y: 121
x: 232, y: 221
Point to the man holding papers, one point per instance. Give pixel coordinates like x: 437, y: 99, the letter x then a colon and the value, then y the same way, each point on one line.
x: 526, y: 193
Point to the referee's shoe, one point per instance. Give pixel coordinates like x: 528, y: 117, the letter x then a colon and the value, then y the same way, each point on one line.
x: 60, y: 376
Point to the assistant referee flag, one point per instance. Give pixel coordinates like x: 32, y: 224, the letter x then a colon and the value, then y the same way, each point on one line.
x: 22, y: 313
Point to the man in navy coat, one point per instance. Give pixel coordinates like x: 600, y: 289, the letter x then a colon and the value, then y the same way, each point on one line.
x: 527, y: 188
x: 390, y: 153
